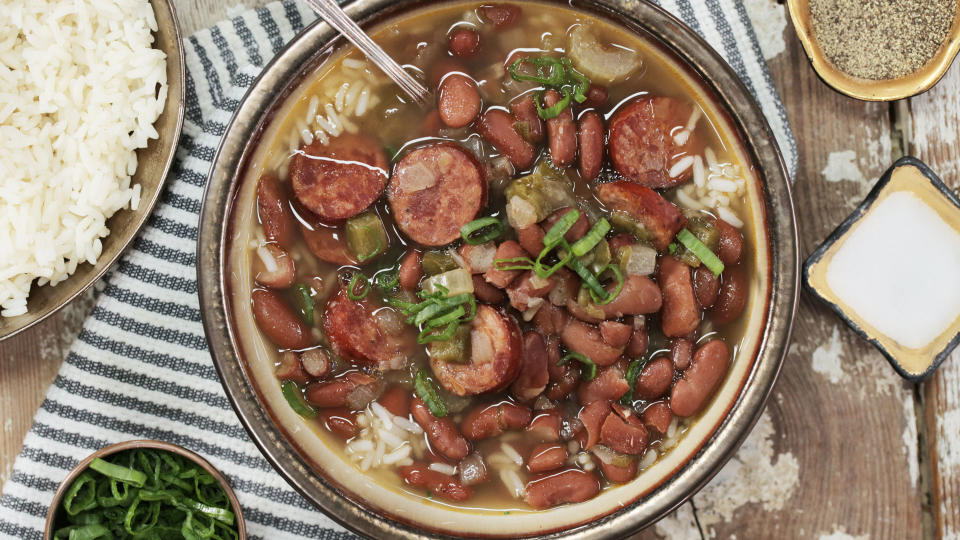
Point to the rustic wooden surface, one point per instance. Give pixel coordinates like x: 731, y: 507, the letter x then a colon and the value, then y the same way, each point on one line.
x: 845, y: 449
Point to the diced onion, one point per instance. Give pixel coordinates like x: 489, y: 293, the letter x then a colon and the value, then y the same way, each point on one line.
x: 642, y: 261
x: 520, y: 213
x: 456, y: 281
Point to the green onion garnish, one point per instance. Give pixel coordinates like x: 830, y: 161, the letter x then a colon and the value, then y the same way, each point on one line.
x: 437, y: 315
x: 560, y: 228
x: 513, y: 263
x: 672, y: 248
x: 702, y: 252
x: 554, y: 110
x: 589, y: 280
x: 546, y: 271
x: 429, y: 335
x: 426, y: 391
x: 487, y: 227
x: 556, y: 73
x: 306, y: 303
x: 294, y: 397
x: 364, y: 284
x: 609, y: 296
x: 633, y: 372
x: 590, y: 369
x: 583, y: 246
x: 553, y: 75
x: 119, y: 473
x: 388, y: 279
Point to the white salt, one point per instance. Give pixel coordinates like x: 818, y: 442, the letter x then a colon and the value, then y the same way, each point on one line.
x: 897, y: 270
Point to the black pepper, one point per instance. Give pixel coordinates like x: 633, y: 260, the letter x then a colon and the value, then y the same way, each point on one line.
x: 881, y: 39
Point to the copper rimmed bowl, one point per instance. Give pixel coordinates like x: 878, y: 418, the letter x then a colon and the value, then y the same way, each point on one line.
x: 354, y: 499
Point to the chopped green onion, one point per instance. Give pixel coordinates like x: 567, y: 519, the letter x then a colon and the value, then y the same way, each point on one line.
x: 555, y: 77
x: 583, y: 246
x: 489, y: 227
x: 633, y: 372
x: 426, y: 391
x: 560, y: 228
x: 388, y: 279
x: 581, y: 82
x: 513, y: 263
x: 672, y: 248
x: 554, y: 110
x: 306, y: 303
x: 429, y: 335
x: 119, y: 473
x: 351, y: 288
x: 293, y: 395
x: 82, y: 494
x: 609, y: 296
x: 546, y: 271
x: 590, y: 369
x: 691, y: 242
x: 589, y: 280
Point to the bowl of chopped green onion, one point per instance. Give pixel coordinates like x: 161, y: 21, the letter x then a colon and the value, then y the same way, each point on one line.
x: 145, y: 489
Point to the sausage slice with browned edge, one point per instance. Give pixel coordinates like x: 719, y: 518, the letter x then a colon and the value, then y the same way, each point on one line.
x: 435, y: 190
x: 496, y: 348
x: 661, y: 219
x: 339, y: 180
x: 645, y: 140
x: 357, y: 333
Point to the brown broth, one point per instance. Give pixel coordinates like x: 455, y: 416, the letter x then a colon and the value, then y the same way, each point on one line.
x: 419, y: 40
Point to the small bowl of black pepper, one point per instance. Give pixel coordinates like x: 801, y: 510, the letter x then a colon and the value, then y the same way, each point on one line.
x: 878, y: 50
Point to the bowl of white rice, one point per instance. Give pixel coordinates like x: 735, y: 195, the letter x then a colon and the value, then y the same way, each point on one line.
x: 91, y: 108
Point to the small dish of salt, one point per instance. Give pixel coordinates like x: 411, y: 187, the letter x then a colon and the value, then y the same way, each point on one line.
x: 890, y: 269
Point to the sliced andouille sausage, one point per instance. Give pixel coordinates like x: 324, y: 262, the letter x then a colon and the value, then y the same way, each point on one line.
x: 497, y: 127
x: 590, y: 136
x: 585, y: 339
x: 500, y: 15
x: 609, y: 384
x: 732, y: 298
x: 396, y: 399
x: 701, y: 379
x: 680, y: 314
x: 592, y: 416
x: 357, y: 333
x: 503, y: 278
x: 655, y: 379
x: 567, y: 486
x: 327, y: 244
x: 642, y: 143
x: 575, y: 232
x: 533, y: 377
x: 273, y: 208
x: 411, y: 272
x: 442, y: 433
x: 273, y: 267
x: 458, y: 100
x: 496, y: 347
x: 681, y: 353
x: 353, y: 389
x: 339, y: 180
x: 339, y: 420
x: 486, y: 292
x: 485, y: 421
x: 731, y: 242
x: 444, y: 485
x: 464, y: 42
x: 546, y: 424
x: 529, y: 123
x: 279, y: 322
x: 561, y: 132
x: 623, y: 432
x: 546, y: 457
x: 288, y: 368
x: 661, y: 219
x: 656, y: 417
x: 436, y: 190
x: 706, y: 286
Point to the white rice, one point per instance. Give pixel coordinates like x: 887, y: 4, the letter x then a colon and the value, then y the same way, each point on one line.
x: 443, y: 468
x: 80, y: 89
x: 385, y: 440
x: 713, y: 188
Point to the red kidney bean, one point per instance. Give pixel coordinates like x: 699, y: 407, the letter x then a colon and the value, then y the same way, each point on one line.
x: 731, y: 242
x: 503, y: 278
x: 531, y: 239
x: 623, y: 432
x: 561, y: 132
x: 472, y: 470
x: 525, y: 111
x: 444, y: 485
x: 282, y: 276
x: 527, y: 292
x: 486, y: 292
x: 396, y: 399
x: 590, y: 136
x: 701, y: 379
x: 464, y: 42
x: 485, y: 421
x: 680, y: 315
x: 546, y: 424
x: 563, y: 379
x: 442, y: 433
x: 592, y: 416
x: 500, y: 15
x: 337, y: 392
x: 655, y: 379
x: 458, y: 100
x: 620, y: 241
x: 706, y: 286
x: 585, y: 339
x: 609, y: 384
x: 639, y: 296
x: 278, y: 322
x: 533, y: 377
x: 546, y: 457
x: 615, y: 334
x: 568, y: 486
x: 732, y: 298
x: 620, y: 471
x: 411, y: 272
x: 496, y: 126
x: 681, y: 353
x: 288, y: 368
x: 550, y: 319
x: 316, y: 362
x: 577, y: 231
x: 273, y: 208
x: 639, y: 339
x: 596, y: 97
x: 340, y: 421
x: 656, y: 417
x: 328, y: 244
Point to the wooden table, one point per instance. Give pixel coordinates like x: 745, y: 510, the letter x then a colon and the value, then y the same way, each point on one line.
x: 845, y: 447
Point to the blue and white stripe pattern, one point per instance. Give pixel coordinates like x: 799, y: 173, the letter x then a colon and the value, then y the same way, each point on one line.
x: 141, y: 369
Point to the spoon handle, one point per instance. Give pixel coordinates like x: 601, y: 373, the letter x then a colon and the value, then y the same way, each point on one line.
x: 331, y: 12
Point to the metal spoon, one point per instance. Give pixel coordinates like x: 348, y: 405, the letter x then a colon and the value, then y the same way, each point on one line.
x: 331, y: 12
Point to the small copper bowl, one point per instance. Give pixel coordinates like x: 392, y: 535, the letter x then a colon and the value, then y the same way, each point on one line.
x: 50, y: 528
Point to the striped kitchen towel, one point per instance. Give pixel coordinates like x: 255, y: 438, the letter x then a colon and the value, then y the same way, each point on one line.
x: 140, y: 368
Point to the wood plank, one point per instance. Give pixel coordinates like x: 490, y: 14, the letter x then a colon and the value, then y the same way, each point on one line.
x: 935, y: 128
